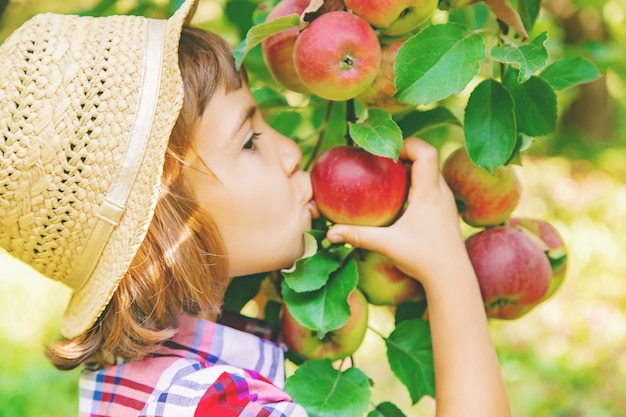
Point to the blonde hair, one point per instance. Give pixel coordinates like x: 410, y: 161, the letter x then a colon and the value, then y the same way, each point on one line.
x: 181, y: 265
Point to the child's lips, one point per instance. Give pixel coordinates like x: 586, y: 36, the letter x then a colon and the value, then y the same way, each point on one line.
x: 315, y: 213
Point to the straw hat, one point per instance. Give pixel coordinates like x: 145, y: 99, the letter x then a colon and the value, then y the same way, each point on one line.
x: 86, y: 110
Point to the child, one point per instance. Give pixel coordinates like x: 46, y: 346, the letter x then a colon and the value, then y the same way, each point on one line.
x: 146, y: 194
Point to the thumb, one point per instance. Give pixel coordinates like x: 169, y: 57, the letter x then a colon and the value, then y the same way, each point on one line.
x: 365, y: 237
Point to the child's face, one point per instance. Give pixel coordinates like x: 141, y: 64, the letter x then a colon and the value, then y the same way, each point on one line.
x: 257, y: 194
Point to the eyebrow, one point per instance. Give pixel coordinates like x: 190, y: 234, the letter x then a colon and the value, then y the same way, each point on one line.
x: 245, y: 116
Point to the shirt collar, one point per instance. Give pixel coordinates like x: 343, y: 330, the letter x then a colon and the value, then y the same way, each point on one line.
x: 216, y: 344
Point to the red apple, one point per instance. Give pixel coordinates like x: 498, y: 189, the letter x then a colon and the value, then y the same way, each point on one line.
x: 337, y: 56
x: 337, y: 344
x: 483, y: 199
x: 278, y: 49
x: 384, y: 284
x: 513, y: 272
x: 381, y: 93
x: 554, y: 245
x: 353, y: 186
x: 394, y: 17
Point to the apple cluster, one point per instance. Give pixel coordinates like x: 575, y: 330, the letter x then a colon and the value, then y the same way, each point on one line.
x: 519, y: 261
x: 349, y: 53
x: 353, y: 186
x: 346, y: 53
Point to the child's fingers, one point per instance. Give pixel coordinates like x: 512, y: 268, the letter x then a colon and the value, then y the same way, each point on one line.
x: 425, y: 158
x: 365, y: 237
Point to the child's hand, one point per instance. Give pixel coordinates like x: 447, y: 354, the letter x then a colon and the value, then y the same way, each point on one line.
x: 427, y: 235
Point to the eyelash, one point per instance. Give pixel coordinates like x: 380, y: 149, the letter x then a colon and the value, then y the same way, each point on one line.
x: 249, y: 145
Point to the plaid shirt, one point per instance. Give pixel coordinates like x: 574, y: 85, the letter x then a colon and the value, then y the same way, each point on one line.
x: 207, y: 369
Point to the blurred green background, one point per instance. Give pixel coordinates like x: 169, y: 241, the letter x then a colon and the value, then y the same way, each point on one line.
x: 566, y: 358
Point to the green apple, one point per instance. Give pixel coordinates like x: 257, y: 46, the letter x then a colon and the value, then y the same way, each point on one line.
x: 337, y: 56
x: 278, y: 49
x: 384, y: 284
x: 337, y: 344
x: 483, y: 199
x: 393, y: 17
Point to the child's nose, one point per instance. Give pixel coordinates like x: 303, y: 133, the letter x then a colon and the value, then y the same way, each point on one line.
x: 290, y: 154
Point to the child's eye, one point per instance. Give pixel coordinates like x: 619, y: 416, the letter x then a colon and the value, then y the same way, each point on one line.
x: 249, y: 144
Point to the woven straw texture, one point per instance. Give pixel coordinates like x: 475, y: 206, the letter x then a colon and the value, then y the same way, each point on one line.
x: 69, y: 89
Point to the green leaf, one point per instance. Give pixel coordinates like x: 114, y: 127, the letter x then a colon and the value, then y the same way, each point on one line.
x: 522, y: 144
x: 256, y: 34
x: 568, y: 73
x: 325, y: 309
x: 490, y: 132
x: 312, y: 270
x: 263, y: 9
x: 239, y: 13
x: 528, y: 11
x: 535, y: 104
x: 378, y: 134
x: 311, y: 273
x: 266, y: 97
x: 474, y: 16
x: 101, y: 8
x: 285, y: 122
x: 437, y: 62
x: 318, y: 234
x: 255, y: 64
x: 557, y: 258
x: 410, y: 310
x: 241, y: 290
x: 326, y: 392
x: 530, y: 57
x: 336, y: 128
x: 410, y: 356
x: 272, y: 311
x: 417, y: 121
x: 341, y: 251
x: 386, y: 409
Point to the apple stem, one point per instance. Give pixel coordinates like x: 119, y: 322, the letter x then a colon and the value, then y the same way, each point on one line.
x: 350, y: 111
x: 320, y: 136
x: 377, y: 332
x: 502, y: 65
x: 347, y: 62
x: 350, y: 118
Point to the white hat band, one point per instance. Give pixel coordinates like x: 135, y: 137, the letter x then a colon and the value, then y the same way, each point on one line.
x: 112, y: 207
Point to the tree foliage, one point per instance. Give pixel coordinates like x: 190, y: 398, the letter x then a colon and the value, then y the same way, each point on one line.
x: 495, y: 69
x: 504, y: 99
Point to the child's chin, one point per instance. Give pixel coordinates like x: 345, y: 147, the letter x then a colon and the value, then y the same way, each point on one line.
x: 305, y: 248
